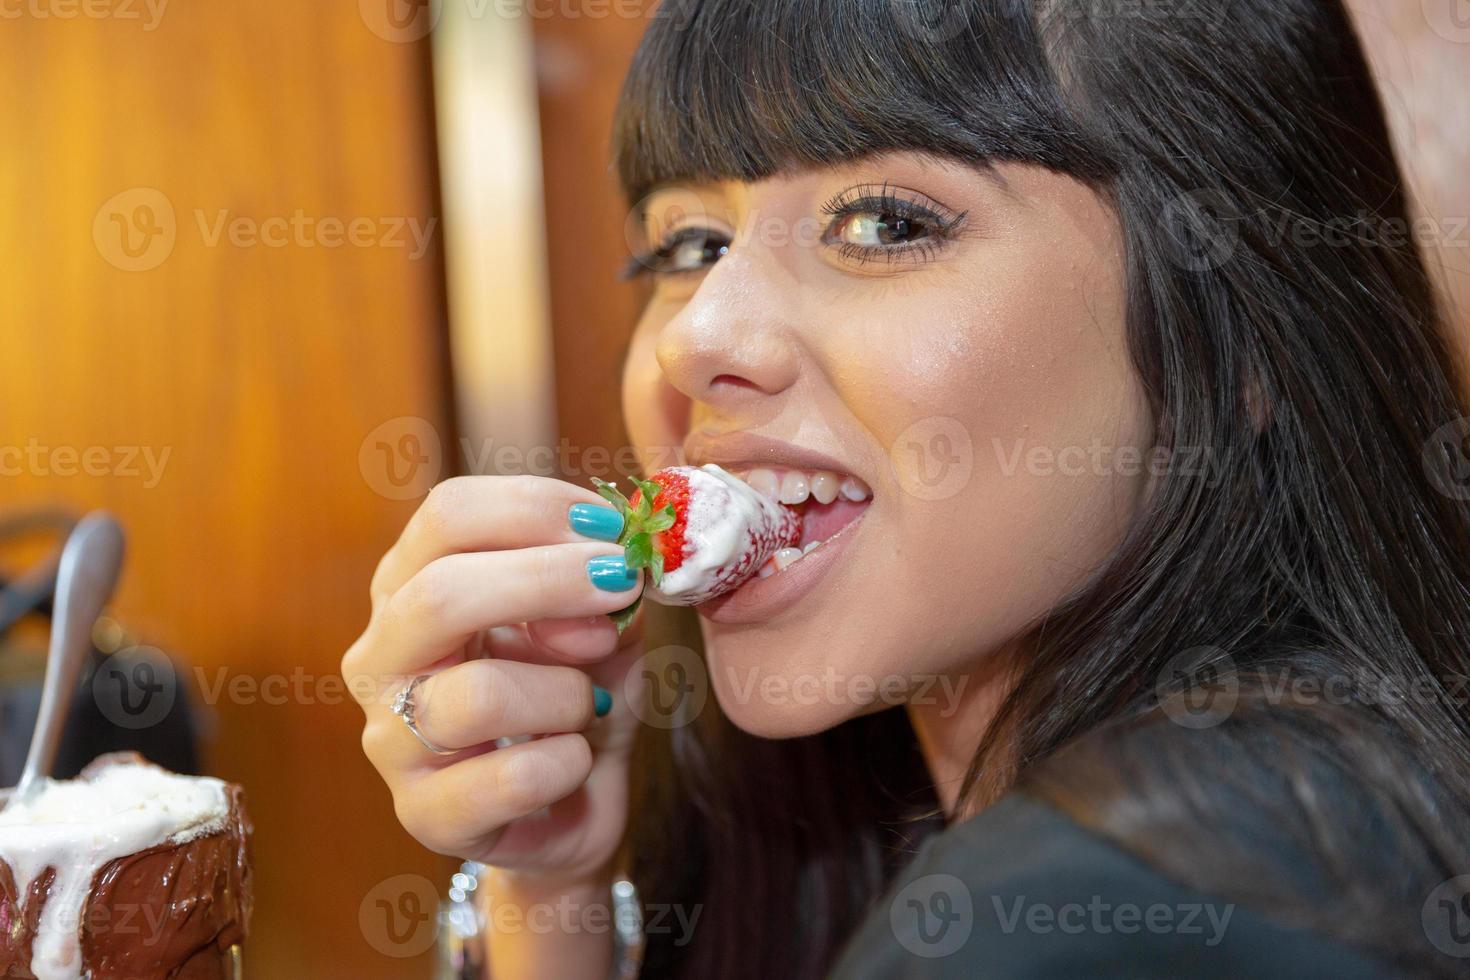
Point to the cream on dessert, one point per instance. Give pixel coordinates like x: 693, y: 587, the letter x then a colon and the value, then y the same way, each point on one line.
x: 78, y: 827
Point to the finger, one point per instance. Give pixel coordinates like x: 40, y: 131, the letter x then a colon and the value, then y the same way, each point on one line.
x: 457, y: 596
x: 452, y: 810
x: 520, y: 642
x: 481, y: 700
x: 487, y: 513
x: 586, y: 639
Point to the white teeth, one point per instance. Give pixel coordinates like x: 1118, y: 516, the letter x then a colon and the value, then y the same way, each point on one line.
x: 767, y: 570
x: 764, y: 482
x: 825, y: 486
x: 853, y: 489
x: 794, y: 488
x: 809, y: 547
x: 785, y: 557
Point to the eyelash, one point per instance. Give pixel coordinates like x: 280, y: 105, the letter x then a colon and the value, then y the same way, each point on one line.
x: 940, y: 223
x: 648, y: 263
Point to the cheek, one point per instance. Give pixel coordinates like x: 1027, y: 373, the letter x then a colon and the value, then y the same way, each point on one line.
x: 655, y: 413
x: 1016, y: 438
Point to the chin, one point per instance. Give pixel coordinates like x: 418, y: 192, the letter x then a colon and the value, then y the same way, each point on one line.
x: 803, y: 675
x: 781, y: 717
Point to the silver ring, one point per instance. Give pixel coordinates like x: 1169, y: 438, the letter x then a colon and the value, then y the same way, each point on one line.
x: 404, y: 707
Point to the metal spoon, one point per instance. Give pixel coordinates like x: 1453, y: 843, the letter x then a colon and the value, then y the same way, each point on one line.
x: 85, y: 577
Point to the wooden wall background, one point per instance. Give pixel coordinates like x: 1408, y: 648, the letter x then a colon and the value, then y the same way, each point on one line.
x: 264, y: 371
x: 581, y: 65
x: 260, y: 370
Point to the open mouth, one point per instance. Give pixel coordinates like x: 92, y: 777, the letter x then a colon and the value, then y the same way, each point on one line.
x: 829, y: 503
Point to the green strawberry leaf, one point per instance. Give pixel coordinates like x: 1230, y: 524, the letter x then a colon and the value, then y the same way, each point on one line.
x: 661, y: 521
x: 637, y: 537
x: 650, y: 490
x: 610, y: 493
x: 640, y: 524
x: 638, y: 552
x: 623, y: 617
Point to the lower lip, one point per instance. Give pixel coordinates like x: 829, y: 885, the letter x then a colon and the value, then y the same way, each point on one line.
x: 761, y: 599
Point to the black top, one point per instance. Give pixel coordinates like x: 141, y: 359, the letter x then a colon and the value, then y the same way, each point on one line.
x: 1021, y: 891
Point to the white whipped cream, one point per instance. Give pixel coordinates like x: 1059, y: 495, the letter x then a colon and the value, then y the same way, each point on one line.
x: 722, y: 509
x: 78, y: 826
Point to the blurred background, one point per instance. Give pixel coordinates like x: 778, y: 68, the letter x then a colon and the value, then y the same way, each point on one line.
x: 269, y: 270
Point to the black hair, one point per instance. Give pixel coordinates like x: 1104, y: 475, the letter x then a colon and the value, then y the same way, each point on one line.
x: 1329, y: 539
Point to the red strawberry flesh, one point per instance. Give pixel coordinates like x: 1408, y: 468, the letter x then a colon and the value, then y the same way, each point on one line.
x: 723, y: 531
x: 675, y: 491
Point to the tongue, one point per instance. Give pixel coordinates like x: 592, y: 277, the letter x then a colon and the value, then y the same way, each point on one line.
x: 821, y: 521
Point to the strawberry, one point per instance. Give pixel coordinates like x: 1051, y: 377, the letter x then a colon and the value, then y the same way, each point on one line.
x: 699, y: 531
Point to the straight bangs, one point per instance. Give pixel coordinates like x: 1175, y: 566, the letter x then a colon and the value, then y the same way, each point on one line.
x: 746, y: 89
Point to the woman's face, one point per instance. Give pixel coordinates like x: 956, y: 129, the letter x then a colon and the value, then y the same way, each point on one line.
x: 946, y: 343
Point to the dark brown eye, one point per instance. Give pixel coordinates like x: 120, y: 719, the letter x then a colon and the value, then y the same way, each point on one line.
x: 690, y: 250
x: 876, y: 229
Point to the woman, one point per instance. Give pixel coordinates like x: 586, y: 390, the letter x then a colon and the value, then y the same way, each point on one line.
x: 1163, y: 552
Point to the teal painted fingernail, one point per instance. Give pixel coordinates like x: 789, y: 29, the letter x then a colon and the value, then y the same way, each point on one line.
x: 595, y: 521
x: 611, y: 573
x: 601, y: 700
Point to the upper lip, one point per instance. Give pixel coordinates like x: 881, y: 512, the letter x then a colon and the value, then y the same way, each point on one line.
x: 747, y: 450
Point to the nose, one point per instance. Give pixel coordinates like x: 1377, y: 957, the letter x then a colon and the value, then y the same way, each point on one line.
x: 731, y: 342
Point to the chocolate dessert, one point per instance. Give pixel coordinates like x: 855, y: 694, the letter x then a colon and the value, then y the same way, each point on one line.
x: 129, y: 872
